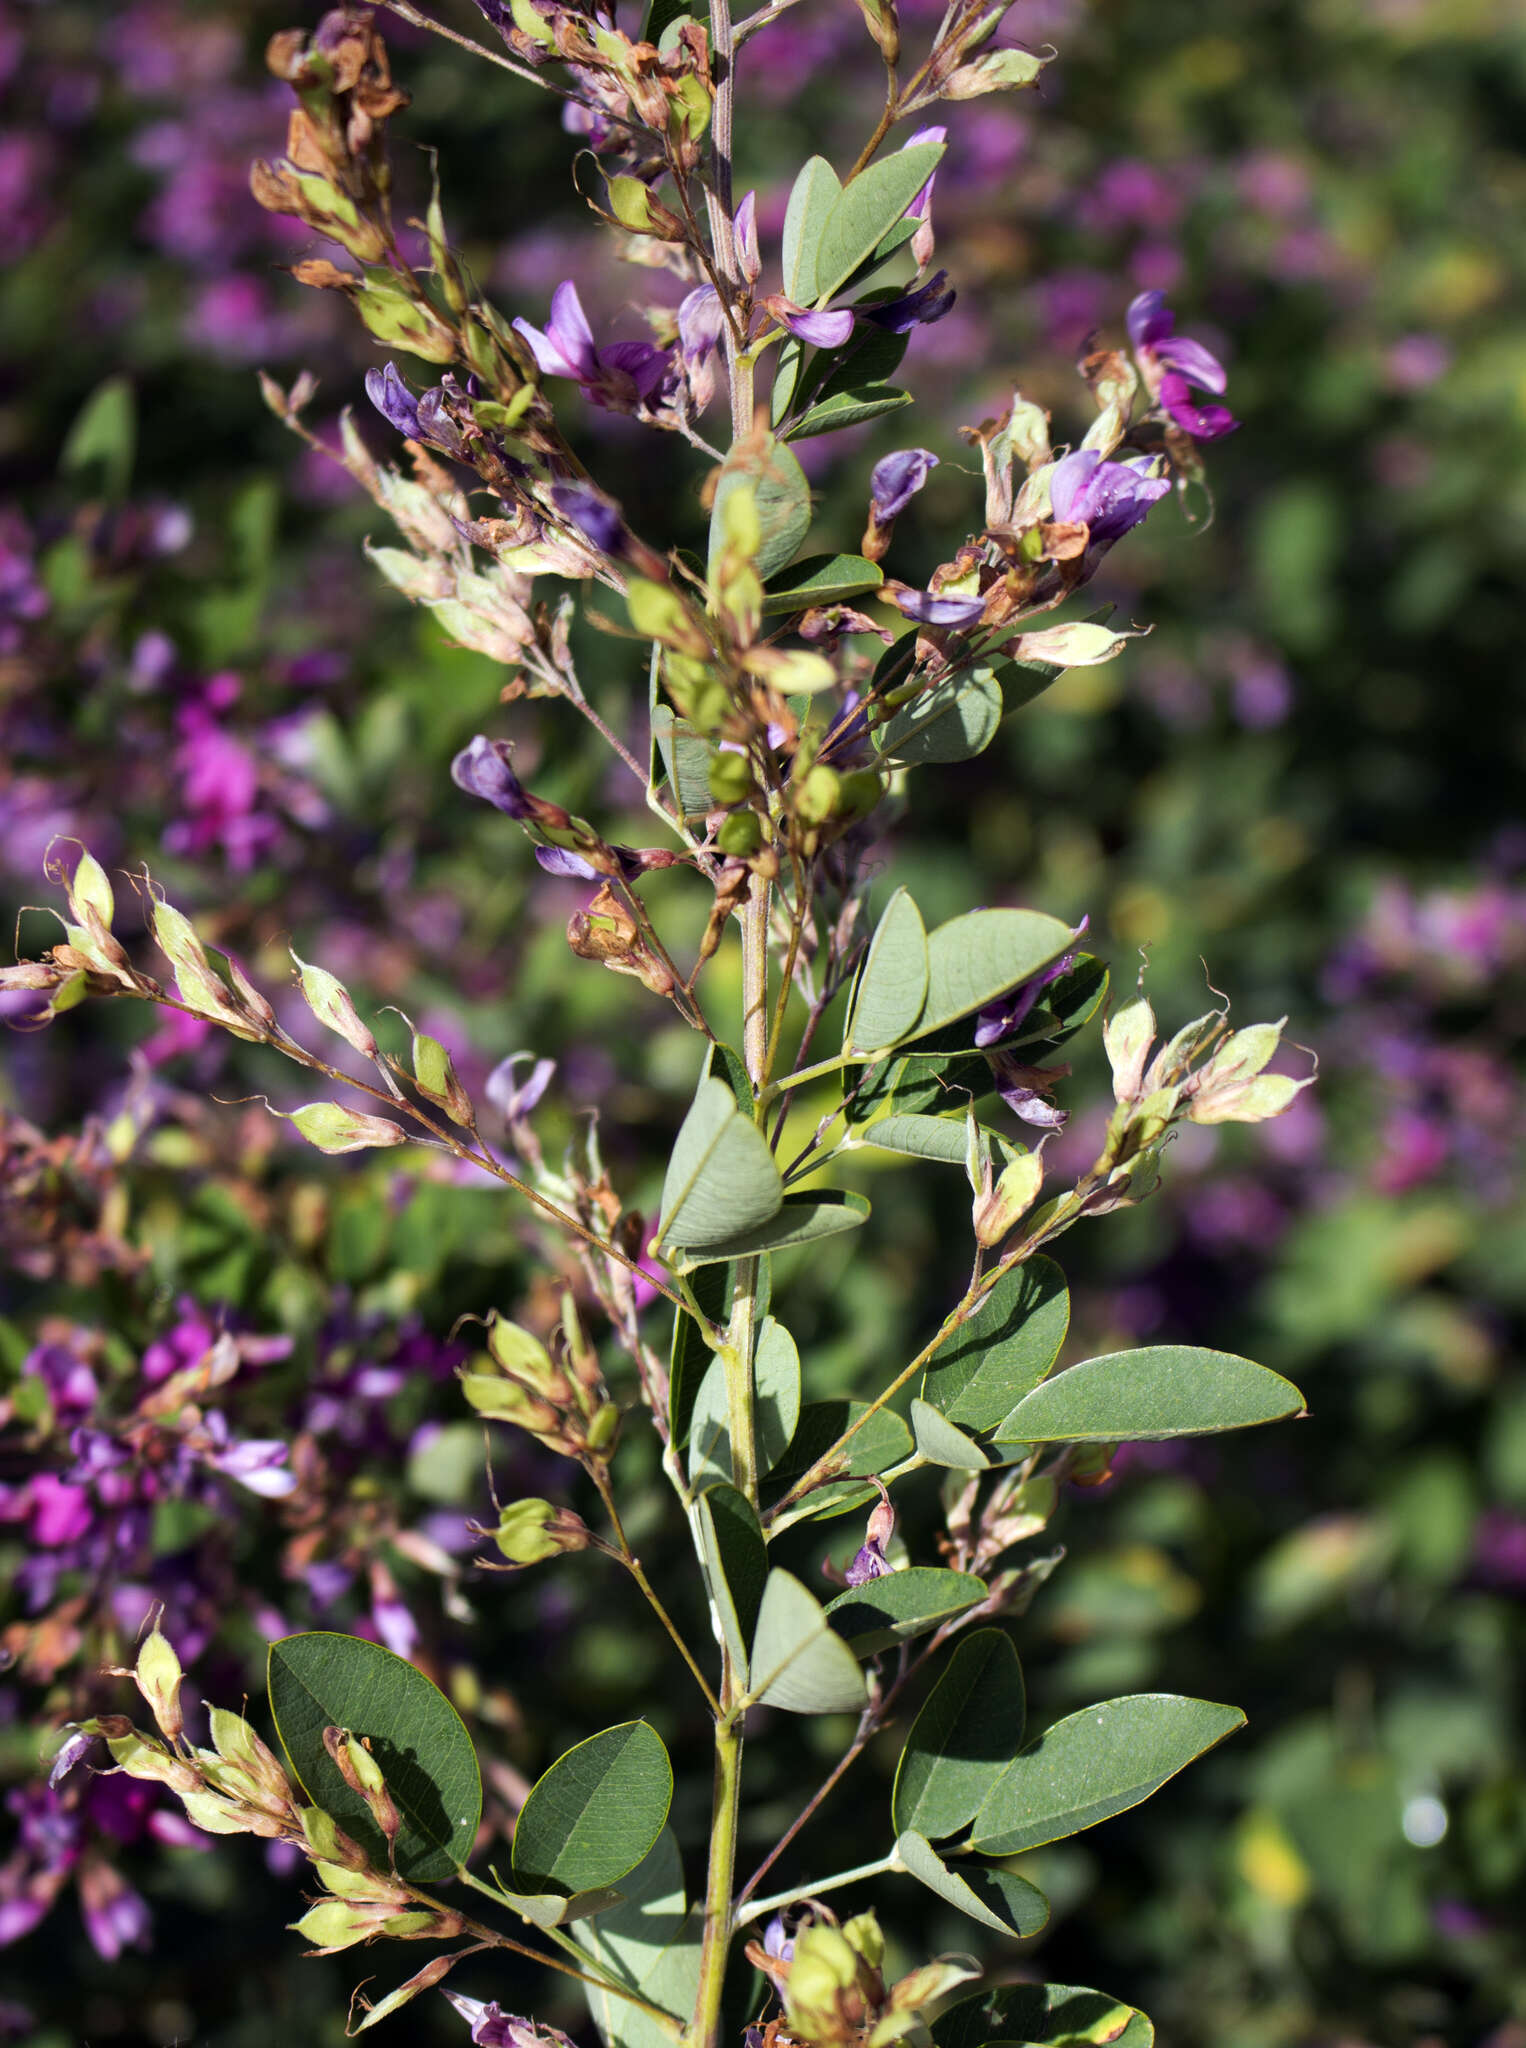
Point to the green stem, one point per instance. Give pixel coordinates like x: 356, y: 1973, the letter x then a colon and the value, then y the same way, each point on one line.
x: 704, y: 2029
x: 759, y: 1907
x: 741, y: 1335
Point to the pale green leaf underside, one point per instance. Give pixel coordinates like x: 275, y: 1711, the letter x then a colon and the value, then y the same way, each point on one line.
x: 799, y: 1219
x: 776, y: 1381
x: 798, y: 1662
x: 325, y: 1680
x: 969, y: 1730
x: 1095, y: 1764
x: 941, y: 1138
x: 652, y: 1945
x: 595, y: 1814
x: 812, y: 197
x: 722, y: 1178
x: 996, y: 1898
x: 975, y: 958
x: 861, y: 216
x: 782, y: 496
x: 892, y: 989
x: 1165, y: 1390
x: 736, y: 1566
x: 954, y: 721
x: 940, y: 1443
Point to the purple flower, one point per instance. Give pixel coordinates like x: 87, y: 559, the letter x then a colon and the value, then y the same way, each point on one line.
x: 776, y: 1941
x: 934, y: 608
x: 701, y: 323
x: 515, y: 1099
x: 492, y: 2027
x: 918, y: 308
x: 592, y: 514
x: 1172, y: 364
x: 75, y: 1747
x: 621, y: 377
x: 895, y: 480
x: 868, y: 1563
x: 1107, y: 497
x: 115, y: 1916
x: 821, y: 330
x: 393, y: 400
x: 921, y: 207
x: 745, y: 227
x: 998, y: 1020
x: 256, y: 1462
x: 482, y: 769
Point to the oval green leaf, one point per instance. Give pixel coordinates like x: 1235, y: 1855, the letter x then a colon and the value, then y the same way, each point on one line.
x: 996, y: 1898
x: 863, y: 213
x: 901, y: 1606
x: 776, y: 1385
x: 822, y: 579
x: 975, y: 958
x: 954, y: 721
x: 799, y: 1219
x: 968, y: 1732
x: 847, y: 409
x: 942, y: 1138
x: 1038, y: 2015
x: 812, y: 198
x: 323, y: 1680
x: 596, y: 1813
x: 782, y: 496
x: 736, y: 1566
x: 798, y: 1662
x: 1006, y: 1348
x: 1165, y: 1390
x: 722, y: 1178
x: 1095, y: 1764
x: 893, y: 986
x: 940, y: 1443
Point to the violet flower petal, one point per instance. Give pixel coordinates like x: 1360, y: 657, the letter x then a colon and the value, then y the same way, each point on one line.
x: 482, y: 769
x: 933, y: 608
x: 895, y: 480
x: 393, y: 400
x: 821, y: 330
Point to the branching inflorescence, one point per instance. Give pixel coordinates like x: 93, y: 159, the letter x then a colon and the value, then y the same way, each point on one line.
x: 788, y: 698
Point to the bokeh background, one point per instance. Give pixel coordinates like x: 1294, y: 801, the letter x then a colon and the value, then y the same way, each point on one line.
x: 1303, y: 786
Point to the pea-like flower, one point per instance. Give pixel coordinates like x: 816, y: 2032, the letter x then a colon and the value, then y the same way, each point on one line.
x: 1172, y: 364
x: 623, y: 376
x: 1107, y: 497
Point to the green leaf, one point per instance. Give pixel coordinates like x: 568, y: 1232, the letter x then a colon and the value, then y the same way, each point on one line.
x: 1006, y: 1348
x: 954, y: 721
x: 973, y: 959
x: 799, y: 1219
x: 901, y: 1606
x: 323, y: 1680
x: 550, y: 1909
x: 787, y: 367
x: 940, y: 1443
x: 660, y: 14
x: 863, y: 213
x: 883, y: 1441
x: 690, y: 1356
x: 782, y: 496
x: 594, y: 1815
x: 1140, y: 1396
x: 813, y: 196
x: 651, y: 1944
x: 822, y: 579
x: 1095, y: 1764
x: 1042, y: 2016
x: 943, y: 1138
x: 969, y: 1730
x: 104, y: 436
x: 847, y: 409
x: 893, y: 985
x: 685, y: 759
x: 710, y: 1430
x: 798, y: 1662
x: 722, y: 1179
x: 736, y: 1566
x: 996, y: 1898
x: 776, y: 1384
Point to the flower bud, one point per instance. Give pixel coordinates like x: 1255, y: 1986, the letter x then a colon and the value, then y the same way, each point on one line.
x: 159, y: 1679
x: 329, y: 1000
x: 332, y: 1128
x: 816, y: 796
x: 236, y: 1742
x: 730, y: 777
x: 327, y: 1842
x: 363, y: 1774
x: 1127, y: 1037
x: 435, y: 1077
x: 529, y: 1531
x: 999, y: 1209
x: 138, y: 1757
x: 740, y: 835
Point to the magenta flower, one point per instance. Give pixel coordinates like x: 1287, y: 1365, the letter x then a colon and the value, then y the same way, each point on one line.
x: 622, y: 377
x: 1172, y: 364
x: 1107, y: 497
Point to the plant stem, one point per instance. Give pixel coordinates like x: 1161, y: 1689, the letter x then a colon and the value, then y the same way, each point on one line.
x: 759, y: 1907
x: 719, y: 207
x: 742, y: 1333
x: 632, y: 1564
x: 704, y: 2029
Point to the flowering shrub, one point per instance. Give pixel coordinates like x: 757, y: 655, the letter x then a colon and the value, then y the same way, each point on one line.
x: 1189, y: 1262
